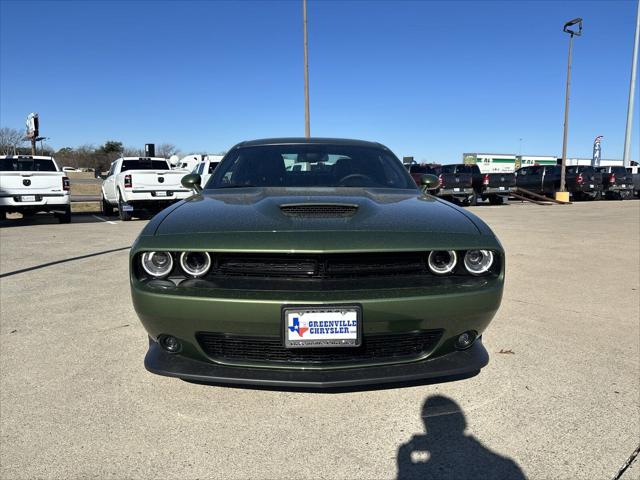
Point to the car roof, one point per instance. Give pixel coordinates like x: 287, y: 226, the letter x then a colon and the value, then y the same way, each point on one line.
x: 37, y: 157
x: 309, y: 141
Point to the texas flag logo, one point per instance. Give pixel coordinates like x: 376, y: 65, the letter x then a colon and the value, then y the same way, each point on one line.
x: 297, y: 328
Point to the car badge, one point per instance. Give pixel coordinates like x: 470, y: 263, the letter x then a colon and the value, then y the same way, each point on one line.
x: 26, y: 182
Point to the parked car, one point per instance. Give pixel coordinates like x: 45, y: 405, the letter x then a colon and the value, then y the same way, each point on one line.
x: 456, y: 185
x: 617, y: 183
x: 31, y: 184
x: 582, y: 182
x: 635, y: 176
x: 136, y: 184
x: 206, y: 167
x: 335, y: 276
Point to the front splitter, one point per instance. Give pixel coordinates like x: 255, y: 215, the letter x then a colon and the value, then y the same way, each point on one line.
x: 455, y: 364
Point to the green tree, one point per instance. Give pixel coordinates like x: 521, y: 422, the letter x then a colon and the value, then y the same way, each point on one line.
x: 111, y: 147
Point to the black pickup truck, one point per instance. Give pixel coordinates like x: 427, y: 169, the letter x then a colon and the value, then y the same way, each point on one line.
x: 635, y: 175
x: 617, y: 183
x: 456, y: 185
x: 583, y: 182
x: 494, y: 187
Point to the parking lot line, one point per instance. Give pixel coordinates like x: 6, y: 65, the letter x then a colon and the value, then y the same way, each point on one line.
x: 104, y: 220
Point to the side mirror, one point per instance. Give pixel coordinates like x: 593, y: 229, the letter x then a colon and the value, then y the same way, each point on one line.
x: 429, y: 182
x: 192, y: 182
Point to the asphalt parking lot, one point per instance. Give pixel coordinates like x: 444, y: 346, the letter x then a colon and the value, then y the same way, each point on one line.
x: 560, y: 401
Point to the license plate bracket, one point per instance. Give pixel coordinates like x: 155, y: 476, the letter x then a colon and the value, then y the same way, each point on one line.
x: 27, y: 198
x: 161, y: 194
x: 322, y: 326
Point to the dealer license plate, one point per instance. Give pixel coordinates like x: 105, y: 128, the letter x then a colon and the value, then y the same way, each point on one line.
x: 161, y: 194
x: 27, y: 198
x: 326, y: 326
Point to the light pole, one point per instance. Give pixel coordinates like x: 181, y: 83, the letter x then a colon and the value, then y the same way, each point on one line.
x: 307, y: 129
x: 632, y: 88
x: 567, y: 29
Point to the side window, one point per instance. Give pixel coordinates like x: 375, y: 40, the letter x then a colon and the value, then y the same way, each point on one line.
x: 212, y: 166
x: 111, y: 170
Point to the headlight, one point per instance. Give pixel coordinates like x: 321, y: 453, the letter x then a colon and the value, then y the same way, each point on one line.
x: 442, y: 261
x: 478, y: 262
x: 195, y: 264
x: 157, y: 264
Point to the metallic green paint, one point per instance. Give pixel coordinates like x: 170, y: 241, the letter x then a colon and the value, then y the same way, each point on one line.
x: 249, y: 220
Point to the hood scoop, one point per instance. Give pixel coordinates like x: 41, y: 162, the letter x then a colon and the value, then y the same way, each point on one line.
x: 318, y: 210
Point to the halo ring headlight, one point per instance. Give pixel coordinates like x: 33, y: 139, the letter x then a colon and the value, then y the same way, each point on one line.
x: 442, y: 262
x: 195, y: 264
x: 478, y: 262
x: 157, y: 264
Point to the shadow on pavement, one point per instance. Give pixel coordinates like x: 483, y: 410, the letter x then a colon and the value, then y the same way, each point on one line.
x: 51, y: 219
x: 446, y: 452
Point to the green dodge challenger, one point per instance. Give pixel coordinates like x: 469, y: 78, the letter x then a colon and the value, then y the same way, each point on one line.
x: 315, y: 263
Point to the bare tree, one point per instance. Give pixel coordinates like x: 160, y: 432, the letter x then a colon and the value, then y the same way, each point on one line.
x: 10, y: 140
x: 132, y: 152
x: 165, y: 150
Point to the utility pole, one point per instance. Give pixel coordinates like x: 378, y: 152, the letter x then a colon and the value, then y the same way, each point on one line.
x: 575, y: 21
x: 632, y: 91
x: 307, y: 129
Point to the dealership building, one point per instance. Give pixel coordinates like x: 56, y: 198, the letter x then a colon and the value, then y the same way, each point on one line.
x: 508, y: 163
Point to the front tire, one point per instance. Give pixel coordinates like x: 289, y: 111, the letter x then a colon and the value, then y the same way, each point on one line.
x: 124, y: 216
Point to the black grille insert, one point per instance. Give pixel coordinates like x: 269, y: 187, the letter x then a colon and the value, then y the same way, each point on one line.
x: 270, y: 350
x: 318, y: 210
x: 321, y: 266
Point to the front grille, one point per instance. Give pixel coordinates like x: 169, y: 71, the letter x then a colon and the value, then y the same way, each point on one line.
x: 270, y: 350
x: 320, y: 266
x: 318, y: 210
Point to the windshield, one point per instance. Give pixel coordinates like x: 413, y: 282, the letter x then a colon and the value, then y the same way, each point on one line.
x: 311, y: 166
x: 144, y: 164
x: 17, y: 164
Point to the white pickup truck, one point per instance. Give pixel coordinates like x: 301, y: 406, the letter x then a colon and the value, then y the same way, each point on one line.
x: 206, y: 167
x: 31, y: 184
x: 141, y: 184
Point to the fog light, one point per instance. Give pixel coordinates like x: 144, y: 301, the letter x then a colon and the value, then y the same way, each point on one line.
x: 465, y: 340
x: 169, y: 343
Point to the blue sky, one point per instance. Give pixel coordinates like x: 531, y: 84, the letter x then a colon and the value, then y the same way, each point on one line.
x: 428, y: 79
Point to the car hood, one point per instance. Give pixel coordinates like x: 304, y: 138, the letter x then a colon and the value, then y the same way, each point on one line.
x: 259, y: 210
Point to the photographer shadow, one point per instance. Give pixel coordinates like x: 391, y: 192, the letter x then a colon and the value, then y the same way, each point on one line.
x: 446, y: 452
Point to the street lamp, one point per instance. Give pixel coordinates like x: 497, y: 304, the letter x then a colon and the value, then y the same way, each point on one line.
x: 571, y: 31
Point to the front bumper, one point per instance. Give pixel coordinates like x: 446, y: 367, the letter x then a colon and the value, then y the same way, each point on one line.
x: 455, y: 364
